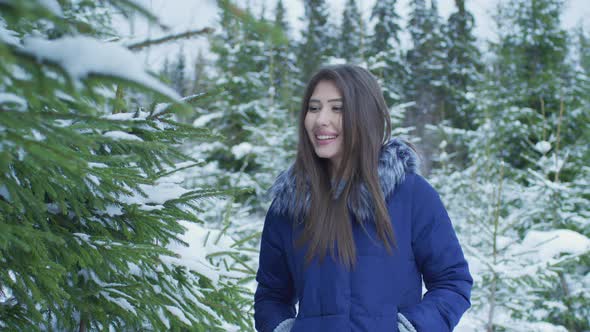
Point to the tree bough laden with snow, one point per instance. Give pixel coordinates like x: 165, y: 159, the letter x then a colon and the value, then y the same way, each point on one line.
x: 95, y: 230
x: 524, y: 231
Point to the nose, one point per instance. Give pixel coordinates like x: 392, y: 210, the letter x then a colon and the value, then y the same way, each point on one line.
x: 323, y: 117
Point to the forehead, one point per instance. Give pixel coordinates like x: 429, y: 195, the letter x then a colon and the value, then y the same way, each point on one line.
x: 325, y: 90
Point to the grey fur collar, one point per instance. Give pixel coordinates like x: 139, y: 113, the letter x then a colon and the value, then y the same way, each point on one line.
x: 395, y: 160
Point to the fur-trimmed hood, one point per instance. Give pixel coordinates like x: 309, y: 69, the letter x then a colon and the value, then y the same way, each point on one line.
x: 396, y: 159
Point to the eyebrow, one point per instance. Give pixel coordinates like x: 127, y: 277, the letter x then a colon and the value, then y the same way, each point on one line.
x: 329, y: 100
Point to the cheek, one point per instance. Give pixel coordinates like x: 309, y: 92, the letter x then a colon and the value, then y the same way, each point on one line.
x: 340, y: 122
x: 308, y: 123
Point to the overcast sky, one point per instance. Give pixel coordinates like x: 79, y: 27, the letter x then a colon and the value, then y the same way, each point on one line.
x: 182, y: 15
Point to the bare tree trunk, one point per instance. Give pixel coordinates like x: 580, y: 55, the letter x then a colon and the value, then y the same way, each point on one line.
x: 83, y: 323
x: 490, y: 324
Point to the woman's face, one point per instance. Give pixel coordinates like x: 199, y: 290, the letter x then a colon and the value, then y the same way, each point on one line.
x: 323, y: 122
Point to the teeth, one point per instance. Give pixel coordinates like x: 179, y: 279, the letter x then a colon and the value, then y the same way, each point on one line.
x: 325, y: 137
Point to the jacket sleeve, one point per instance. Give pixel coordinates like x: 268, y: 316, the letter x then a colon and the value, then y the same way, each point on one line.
x: 440, y: 259
x: 275, y: 298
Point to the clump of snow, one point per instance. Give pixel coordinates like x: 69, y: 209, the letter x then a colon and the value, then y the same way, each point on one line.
x: 129, y: 116
x: 5, y: 193
x: 121, y: 135
x: 179, y: 314
x: 241, y: 149
x: 121, y: 302
x: 8, y: 36
x: 13, y: 102
x: 204, y: 119
x: 19, y: 73
x: 37, y: 135
x: 336, y: 61
x: 94, y: 179
x: 113, y: 210
x: 379, y: 65
x: 64, y: 96
x: 51, y: 5
x: 63, y: 123
x: 163, y: 318
x: 160, y: 108
x: 81, y: 56
x: 543, y: 146
x: 165, y: 189
x: 550, y: 244
x: 97, y: 165
x: 82, y: 238
x: 163, y: 192
x: 201, y: 243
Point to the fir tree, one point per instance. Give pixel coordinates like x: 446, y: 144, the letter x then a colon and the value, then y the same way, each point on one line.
x: 351, y: 38
x: 531, y: 73
x: 533, y: 48
x: 178, y: 73
x: 385, y: 56
x: 284, y: 71
x: 280, y: 20
x: 165, y: 71
x: 522, y: 230
x: 92, y: 215
x: 387, y: 27
x: 243, y: 71
x: 583, y: 50
x: 316, y: 42
x: 247, y: 102
x: 519, y: 202
x: 201, y: 80
x: 463, y: 67
x: 265, y: 129
x: 425, y: 84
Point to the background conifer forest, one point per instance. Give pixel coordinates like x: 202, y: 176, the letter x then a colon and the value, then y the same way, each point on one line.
x: 132, y: 195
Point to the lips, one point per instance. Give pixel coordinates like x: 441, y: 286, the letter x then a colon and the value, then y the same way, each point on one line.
x: 324, y: 137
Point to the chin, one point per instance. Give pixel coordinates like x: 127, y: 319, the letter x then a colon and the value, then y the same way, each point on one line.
x: 326, y: 153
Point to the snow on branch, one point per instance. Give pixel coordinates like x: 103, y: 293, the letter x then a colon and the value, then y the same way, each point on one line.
x: 182, y: 35
x: 51, y: 5
x: 81, y: 56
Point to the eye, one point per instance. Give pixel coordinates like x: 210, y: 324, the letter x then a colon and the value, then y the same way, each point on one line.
x: 313, y: 108
x: 337, y: 108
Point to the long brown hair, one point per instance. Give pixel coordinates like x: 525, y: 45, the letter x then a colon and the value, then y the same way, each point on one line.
x: 366, y: 127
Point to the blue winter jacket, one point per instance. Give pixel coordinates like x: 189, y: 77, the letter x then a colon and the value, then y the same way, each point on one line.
x: 383, y: 290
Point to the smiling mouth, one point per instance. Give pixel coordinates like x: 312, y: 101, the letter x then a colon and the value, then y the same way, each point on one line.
x: 325, y: 139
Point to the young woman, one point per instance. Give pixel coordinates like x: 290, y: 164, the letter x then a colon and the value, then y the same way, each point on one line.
x: 356, y: 192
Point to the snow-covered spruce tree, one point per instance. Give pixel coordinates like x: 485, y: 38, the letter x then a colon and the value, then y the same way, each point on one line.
x: 385, y: 57
x: 521, y: 205
x: 425, y: 82
x: 200, y: 80
x: 530, y: 73
x: 317, y: 42
x: 178, y: 74
x: 386, y: 28
x: 285, y: 74
x: 463, y: 67
x: 94, y: 226
x: 583, y: 43
x: 523, y: 248
x: 252, y: 154
x: 246, y: 103
x: 352, y: 40
x: 259, y: 130
x: 463, y: 72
